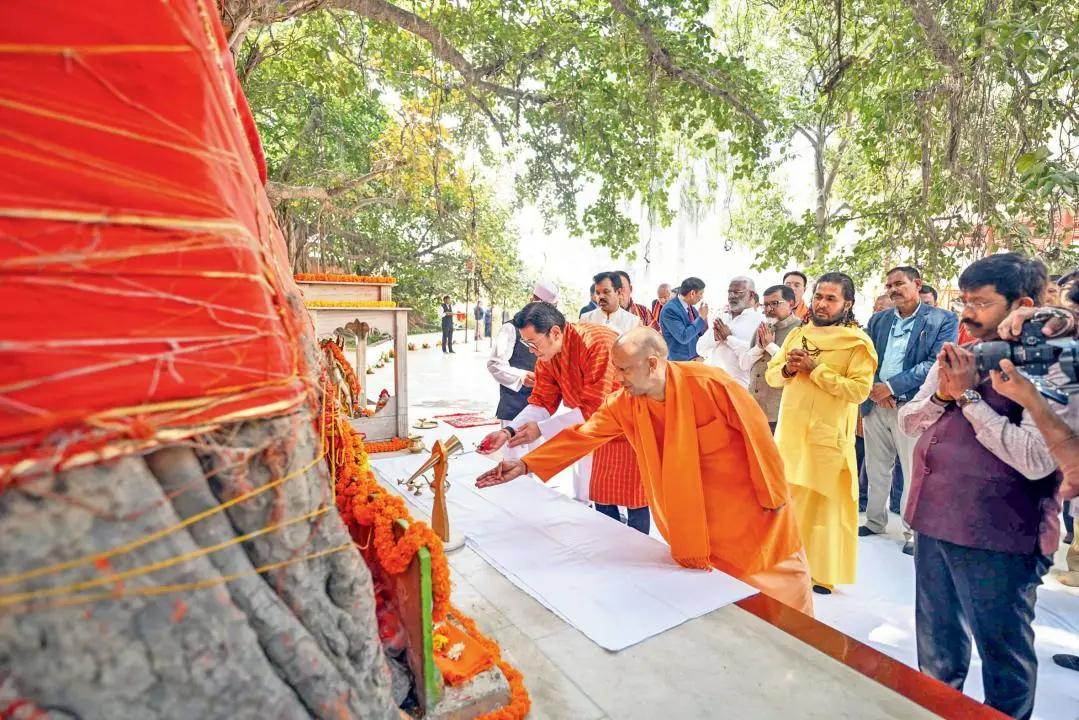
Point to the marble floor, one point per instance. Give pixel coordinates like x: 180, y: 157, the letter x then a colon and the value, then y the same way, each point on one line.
x: 878, y: 610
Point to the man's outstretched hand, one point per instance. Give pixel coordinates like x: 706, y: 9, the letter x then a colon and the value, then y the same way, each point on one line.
x: 527, y: 433
x: 505, y: 471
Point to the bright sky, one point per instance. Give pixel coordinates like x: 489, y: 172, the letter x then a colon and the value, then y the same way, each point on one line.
x: 677, y: 252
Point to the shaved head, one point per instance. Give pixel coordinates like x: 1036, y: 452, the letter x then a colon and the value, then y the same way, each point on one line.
x: 642, y: 342
x: 639, y: 358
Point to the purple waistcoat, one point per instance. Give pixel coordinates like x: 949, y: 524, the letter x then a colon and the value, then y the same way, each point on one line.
x: 966, y: 495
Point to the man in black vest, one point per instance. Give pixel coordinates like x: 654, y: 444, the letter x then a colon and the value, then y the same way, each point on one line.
x: 984, y: 502
x: 447, y: 324
x: 513, y: 366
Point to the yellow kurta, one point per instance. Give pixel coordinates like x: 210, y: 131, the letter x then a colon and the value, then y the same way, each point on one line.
x: 817, y: 420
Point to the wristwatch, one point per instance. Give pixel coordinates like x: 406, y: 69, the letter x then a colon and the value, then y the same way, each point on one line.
x: 968, y: 398
x: 510, y: 430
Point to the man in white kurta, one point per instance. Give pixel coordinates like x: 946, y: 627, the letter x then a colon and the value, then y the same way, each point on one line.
x: 731, y: 336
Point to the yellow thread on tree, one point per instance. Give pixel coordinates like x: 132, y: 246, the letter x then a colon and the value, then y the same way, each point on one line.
x: 135, y: 544
x: 181, y: 587
x: 154, y: 567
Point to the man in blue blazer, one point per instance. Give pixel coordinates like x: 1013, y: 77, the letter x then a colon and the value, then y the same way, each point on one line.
x: 681, y: 324
x: 907, y: 338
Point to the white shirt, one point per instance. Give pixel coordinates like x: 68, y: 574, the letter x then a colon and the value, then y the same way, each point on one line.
x: 1021, y: 446
x: 499, y: 363
x: 621, y: 320
x: 727, y: 355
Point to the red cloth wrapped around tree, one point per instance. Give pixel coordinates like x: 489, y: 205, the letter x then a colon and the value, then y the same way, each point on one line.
x: 145, y: 291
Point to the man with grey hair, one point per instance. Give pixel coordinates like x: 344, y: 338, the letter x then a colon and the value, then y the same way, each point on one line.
x: 732, y: 334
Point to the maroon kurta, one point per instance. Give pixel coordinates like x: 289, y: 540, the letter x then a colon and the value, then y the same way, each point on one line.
x: 581, y: 376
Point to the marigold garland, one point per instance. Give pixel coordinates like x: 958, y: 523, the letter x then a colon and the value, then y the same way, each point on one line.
x: 332, y: 277
x: 346, y: 366
x: 392, y: 445
x: 350, y: 303
x: 520, y: 703
x: 364, y: 504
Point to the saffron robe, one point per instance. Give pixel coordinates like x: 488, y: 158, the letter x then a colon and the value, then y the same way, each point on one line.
x: 711, y: 471
x: 818, y: 416
x: 581, y: 376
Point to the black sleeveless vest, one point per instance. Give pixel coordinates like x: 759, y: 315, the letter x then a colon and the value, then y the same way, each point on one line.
x: 511, y: 402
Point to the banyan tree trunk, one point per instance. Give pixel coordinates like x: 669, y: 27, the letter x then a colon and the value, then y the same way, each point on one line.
x: 147, y: 297
x: 295, y: 642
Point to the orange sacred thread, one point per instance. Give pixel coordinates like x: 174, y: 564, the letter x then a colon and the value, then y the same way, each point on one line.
x: 331, y: 277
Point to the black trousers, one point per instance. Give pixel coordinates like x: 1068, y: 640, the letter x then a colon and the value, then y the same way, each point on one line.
x: 963, y: 592
x: 447, y: 337
x: 637, y: 518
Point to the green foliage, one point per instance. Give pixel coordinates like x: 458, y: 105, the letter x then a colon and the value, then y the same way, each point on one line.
x: 939, y: 119
x: 326, y: 121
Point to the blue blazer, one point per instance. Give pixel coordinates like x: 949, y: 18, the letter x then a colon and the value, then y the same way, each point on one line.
x: 932, y: 328
x: 679, y: 333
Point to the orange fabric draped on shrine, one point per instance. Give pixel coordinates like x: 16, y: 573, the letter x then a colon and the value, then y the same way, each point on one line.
x: 131, y: 198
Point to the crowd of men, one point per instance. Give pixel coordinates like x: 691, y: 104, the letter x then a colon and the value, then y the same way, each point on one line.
x: 747, y: 433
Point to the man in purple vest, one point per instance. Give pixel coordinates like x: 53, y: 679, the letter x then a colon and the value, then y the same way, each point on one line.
x: 984, y: 502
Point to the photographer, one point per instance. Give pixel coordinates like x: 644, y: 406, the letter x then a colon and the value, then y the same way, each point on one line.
x: 983, y: 501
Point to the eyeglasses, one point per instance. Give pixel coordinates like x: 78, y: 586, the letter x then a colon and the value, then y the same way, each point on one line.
x: 977, y: 305
x: 810, y: 348
x: 773, y: 303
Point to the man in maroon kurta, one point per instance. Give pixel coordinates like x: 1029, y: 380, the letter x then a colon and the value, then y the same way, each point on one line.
x: 574, y: 369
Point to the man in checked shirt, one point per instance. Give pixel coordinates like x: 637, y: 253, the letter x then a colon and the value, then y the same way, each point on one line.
x: 984, y: 502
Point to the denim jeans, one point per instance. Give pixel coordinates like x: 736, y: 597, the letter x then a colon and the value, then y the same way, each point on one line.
x: 963, y: 592
x: 637, y: 518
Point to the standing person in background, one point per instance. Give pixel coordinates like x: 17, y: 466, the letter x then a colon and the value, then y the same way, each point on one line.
x: 663, y: 294
x: 513, y: 366
x: 767, y: 340
x: 478, y: 313
x: 825, y: 370
x: 593, y: 301
x: 883, y: 302
x: 610, y: 311
x: 447, y: 324
x: 680, y: 324
x: 626, y: 296
x: 907, y: 340
x: 488, y: 321
x: 984, y: 502
x: 928, y: 295
x: 797, y: 281
x: 730, y: 337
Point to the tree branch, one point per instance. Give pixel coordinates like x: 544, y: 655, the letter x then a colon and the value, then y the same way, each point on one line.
x: 665, y: 61
x: 279, y: 192
x: 934, y: 35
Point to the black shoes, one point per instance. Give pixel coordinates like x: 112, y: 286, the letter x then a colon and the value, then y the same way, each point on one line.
x: 822, y: 590
x: 908, y: 547
x: 864, y: 531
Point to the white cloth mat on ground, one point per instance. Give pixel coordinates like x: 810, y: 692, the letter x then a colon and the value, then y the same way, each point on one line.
x: 612, y: 583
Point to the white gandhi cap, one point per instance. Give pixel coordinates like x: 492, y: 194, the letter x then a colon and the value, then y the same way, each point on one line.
x: 547, y: 292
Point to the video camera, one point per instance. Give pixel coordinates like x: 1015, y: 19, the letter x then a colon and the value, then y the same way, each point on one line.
x: 1033, y: 354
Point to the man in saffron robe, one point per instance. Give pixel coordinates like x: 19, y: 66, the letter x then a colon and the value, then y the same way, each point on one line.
x: 574, y: 369
x: 712, y: 473
x: 826, y: 370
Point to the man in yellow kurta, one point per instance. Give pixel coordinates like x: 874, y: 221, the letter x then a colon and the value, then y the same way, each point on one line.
x: 711, y: 471
x: 826, y: 370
